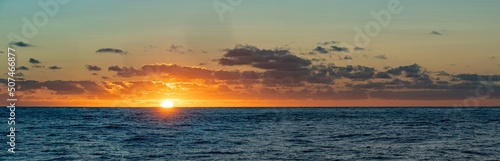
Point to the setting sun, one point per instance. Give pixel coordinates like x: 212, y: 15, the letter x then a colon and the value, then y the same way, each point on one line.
x: 167, y: 104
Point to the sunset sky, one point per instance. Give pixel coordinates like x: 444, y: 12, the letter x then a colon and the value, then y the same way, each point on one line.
x: 257, y: 53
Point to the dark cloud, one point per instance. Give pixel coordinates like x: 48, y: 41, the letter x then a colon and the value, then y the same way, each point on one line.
x: 21, y: 44
x: 37, y: 66
x: 339, y: 49
x: 168, y: 70
x: 250, y: 75
x: 95, y: 74
x: 492, y: 57
x: 318, y: 59
x: 1, y: 52
x: 278, y: 59
x: 115, y: 68
x: 358, y: 48
x: 63, y: 87
x: 443, y: 73
x: 477, y: 77
x: 34, y: 61
x: 380, y: 57
x: 412, y: 69
x: 436, y: 33
x: 383, y: 75
x: 227, y: 75
x: 321, y: 50
x: 202, y: 64
x: 422, y: 95
x: 328, y: 43
x: 23, y: 68
x: 104, y: 77
x: 112, y: 50
x: 55, y: 67
x: 347, y: 57
x: 93, y: 68
x: 355, y: 72
x: 174, y: 48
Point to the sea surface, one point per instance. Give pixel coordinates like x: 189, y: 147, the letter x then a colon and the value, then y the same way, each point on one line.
x: 255, y: 134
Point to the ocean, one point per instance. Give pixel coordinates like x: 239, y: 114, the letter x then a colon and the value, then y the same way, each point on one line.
x: 255, y: 134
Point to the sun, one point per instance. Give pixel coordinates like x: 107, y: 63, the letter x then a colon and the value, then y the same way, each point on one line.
x: 167, y: 104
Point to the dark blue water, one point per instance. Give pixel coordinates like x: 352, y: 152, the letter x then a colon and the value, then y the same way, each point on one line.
x: 256, y: 134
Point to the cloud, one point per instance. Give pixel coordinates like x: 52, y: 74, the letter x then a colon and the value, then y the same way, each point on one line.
x: 411, y: 69
x: 477, y: 77
x: 227, y: 75
x: 174, y: 48
x: 436, y: 33
x: 1, y: 52
x: 92, y: 68
x: 21, y: 44
x: 37, y: 66
x: 23, y: 68
x: 112, y: 50
x: 339, y: 49
x: 318, y: 59
x: 166, y: 70
x: 358, y: 48
x: 278, y: 59
x: 383, y: 75
x: 328, y: 43
x: 321, y: 50
x: 492, y: 57
x: 55, y: 67
x: 115, y: 68
x: 34, y: 61
x: 383, y: 57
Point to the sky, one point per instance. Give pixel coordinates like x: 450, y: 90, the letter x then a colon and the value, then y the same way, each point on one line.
x: 216, y: 53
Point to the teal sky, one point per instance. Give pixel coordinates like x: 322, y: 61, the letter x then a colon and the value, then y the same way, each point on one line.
x: 469, y: 28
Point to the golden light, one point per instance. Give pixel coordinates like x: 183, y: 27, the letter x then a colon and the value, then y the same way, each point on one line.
x: 167, y: 104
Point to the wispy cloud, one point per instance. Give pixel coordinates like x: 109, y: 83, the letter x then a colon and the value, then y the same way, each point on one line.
x: 112, y: 50
x: 55, y: 67
x: 21, y: 44
x: 358, y: 48
x: 23, y: 68
x: 115, y: 68
x: 339, y: 49
x: 383, y: 57
x: 321, y: 50
x: 93, y: 68
x: 34, y: 61
x: 436, y: 33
